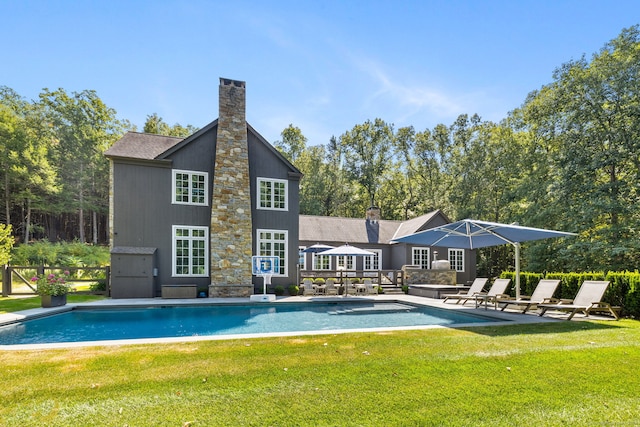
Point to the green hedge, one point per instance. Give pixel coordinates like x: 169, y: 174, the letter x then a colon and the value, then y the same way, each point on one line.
x: 623, y: 291
x: 74, y: 254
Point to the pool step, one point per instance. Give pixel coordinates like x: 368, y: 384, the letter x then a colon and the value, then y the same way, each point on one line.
x: 381, y: 308
x: 391, y: 289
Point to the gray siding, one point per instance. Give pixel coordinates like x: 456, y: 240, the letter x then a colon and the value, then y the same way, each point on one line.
x: 143, y: 213
x: 263, y: 162
x: 144, y: 216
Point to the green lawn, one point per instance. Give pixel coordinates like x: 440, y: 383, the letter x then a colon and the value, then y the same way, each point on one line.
x: 12, y: 304
x: 564, y: 373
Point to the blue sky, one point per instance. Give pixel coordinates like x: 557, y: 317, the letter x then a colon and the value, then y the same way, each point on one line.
x: 323, y: 66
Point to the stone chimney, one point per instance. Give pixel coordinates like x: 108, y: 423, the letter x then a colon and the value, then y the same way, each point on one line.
x: 231, y: 233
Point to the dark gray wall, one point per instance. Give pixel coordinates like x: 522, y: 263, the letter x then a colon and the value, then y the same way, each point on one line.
x: 263, y: 162
x: 144, y: 215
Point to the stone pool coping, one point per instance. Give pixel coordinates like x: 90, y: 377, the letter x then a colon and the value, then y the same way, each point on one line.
x: 502, y: 318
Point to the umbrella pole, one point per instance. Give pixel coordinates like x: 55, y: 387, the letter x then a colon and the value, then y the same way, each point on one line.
x: 517, y: 246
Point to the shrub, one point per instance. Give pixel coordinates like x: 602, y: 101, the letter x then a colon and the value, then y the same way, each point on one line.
x: 293, y: 289
x: 99, y: 286
x: 74, y: 254
x: 278, y: 290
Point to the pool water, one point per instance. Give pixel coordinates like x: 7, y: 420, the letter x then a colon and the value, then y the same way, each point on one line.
x: 83, y: 324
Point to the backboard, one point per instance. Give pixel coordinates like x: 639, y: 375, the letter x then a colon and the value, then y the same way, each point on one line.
x: 263, y: 265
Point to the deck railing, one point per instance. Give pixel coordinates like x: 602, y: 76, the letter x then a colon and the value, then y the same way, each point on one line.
x: 379, y: 277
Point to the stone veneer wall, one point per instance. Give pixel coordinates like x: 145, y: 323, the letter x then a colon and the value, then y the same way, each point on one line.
x: 231, y: 233
x: 417, y: 276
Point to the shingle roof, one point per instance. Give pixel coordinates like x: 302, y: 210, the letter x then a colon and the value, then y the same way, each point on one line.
x: 146, y: 146
x: 416, y: 224
x: 136, y: 145
x: 357, y: 230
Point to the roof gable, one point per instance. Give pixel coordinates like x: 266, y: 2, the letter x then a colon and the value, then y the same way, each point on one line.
x: 423, y: 222
x: 147, y: 146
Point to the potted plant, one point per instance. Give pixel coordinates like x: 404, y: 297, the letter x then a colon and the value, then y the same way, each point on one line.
x: 52, y: 288
x: 294, y: 289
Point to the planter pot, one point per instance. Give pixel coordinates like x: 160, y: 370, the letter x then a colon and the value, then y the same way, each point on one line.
x: 53, y: 300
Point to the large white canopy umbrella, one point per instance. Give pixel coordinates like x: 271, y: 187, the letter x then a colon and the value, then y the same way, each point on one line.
x: 473, y: 234
x: 346, y: 250
x: 318, y: 247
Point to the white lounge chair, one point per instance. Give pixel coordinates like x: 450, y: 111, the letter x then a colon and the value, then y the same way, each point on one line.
x: 497, y: 289
x: 588, y: 299
x: 543, y: 293
x: 476, y: 288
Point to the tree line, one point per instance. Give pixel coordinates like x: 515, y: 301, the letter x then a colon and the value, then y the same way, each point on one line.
x: 567, y: 158
x: 55, y: 177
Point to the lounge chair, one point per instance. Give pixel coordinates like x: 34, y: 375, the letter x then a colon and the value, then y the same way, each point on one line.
x: 497, y: 289
x: 476, y: 288
x: 588, y: 299
x: 543, y: 293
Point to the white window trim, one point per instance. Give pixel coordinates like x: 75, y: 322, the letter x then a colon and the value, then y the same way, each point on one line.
x: 174, y: 265
x: 454, y: 265
x: 370, y: 258
x: 286, y: 194
x: 286, y: 247
x: 421, y: 248
x: 174, y: 172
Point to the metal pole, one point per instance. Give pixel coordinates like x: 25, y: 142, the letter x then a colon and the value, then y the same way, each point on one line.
x: 517, y: 246
x: 6, y: 281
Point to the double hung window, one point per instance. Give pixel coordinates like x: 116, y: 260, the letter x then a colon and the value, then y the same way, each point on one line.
x: 190, y: 188
x: 302, y: 258
x: 456, y: 259
x: 346, y: 262
x: 373, y: 262
x: 321, y: 262
x: 272, y: 194
x: 421, y: 257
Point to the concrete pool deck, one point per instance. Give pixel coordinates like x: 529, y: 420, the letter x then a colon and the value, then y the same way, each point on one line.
x: 501, y: 317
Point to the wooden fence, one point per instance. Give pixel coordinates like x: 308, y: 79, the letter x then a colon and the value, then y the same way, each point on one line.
x: 393, y: 278
x: 22, y: 275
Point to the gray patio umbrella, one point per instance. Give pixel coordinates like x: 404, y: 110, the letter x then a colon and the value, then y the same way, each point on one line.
x: 473, y: 234
x: 346, y: 250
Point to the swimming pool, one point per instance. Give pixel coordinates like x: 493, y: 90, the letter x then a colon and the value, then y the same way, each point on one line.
x: 101, y: 324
